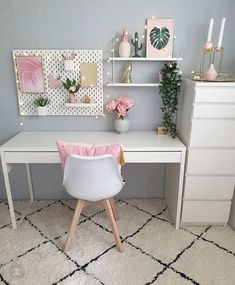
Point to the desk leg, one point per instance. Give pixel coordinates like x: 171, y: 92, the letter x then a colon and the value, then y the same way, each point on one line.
x: 174, y: 189
x: 29, y: 179
x: 8, y: 190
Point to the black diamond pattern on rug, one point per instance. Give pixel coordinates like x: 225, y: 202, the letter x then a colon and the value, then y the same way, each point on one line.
x: 154, y: 252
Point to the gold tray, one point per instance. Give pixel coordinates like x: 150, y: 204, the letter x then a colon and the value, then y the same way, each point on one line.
x: 222, y: 77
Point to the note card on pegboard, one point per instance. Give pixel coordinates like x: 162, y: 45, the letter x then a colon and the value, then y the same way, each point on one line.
x: 41, y: 73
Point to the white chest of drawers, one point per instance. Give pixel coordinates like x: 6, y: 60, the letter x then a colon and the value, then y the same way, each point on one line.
x: 206, y: 125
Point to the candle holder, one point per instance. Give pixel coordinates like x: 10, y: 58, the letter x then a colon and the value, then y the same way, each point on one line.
x: 220, y: 52
x: 211, y: 53
x: 207, y: 51
x: 211, y: 73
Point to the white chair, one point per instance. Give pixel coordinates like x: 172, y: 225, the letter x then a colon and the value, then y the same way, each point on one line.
x: 93, y: 179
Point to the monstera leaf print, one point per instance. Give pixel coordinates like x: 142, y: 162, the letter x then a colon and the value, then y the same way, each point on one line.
x: 159, y: 38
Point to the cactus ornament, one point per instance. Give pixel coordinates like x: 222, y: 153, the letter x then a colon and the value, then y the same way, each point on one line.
x: 135, y: 43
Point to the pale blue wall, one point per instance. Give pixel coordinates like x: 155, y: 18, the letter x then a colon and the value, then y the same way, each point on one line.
x: 87, y: 24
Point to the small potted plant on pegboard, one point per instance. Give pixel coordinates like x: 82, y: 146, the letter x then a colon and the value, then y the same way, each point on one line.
x: 73, y: 87
x: 41, y: 104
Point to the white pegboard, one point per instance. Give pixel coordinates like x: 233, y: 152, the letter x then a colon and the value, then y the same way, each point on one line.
x: 53, y: 61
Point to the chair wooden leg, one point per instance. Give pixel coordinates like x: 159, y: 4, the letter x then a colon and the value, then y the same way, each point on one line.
x: 113, y: 224
x: 78, y: 210
x: 114, y: 208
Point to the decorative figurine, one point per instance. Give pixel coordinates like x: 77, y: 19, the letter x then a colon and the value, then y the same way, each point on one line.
x: 124, y: 46
x: 135, y: 43
x: 126, y: 75
x: 87, y: 99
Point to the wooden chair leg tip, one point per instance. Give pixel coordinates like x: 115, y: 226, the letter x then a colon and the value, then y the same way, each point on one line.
x: 66, y: 249
x: 120, y: 247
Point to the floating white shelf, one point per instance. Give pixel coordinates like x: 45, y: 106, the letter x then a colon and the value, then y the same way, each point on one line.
x: 133, y: 84
x: 145, y: 59
x: 87, y: 105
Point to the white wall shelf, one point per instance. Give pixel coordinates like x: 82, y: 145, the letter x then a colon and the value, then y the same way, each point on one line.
x: 133, y: 84
x: 74, y: 105
x: 115, y: 60
x: 145, y: 59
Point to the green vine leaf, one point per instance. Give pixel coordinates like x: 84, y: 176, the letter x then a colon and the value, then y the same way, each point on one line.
x: 169, y: 90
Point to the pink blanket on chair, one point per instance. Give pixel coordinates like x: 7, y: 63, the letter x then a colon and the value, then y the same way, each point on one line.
x: 65, y: 149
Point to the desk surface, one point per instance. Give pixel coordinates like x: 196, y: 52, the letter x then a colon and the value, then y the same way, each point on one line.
x: 131, y: 141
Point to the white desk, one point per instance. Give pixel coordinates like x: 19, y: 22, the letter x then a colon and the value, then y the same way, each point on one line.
x: 139, y: 147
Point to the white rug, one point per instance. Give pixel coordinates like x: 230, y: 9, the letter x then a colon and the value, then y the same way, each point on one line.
x: 154, y: 252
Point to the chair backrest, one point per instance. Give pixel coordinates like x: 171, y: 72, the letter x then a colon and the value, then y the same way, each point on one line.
x: 92, y: 178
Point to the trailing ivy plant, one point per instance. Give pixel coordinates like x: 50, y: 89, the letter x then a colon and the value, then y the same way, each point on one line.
x: 169, y: 89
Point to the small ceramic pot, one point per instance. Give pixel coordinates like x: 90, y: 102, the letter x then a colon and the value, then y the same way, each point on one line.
x: 72, y: 99
x: 122, y: 125
x: 68, y: 64
x: 42, y: 111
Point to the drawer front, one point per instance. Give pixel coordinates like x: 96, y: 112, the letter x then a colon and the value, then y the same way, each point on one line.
x: 208, y: 188
x: 152, y: 157
x: 206, y: 212
x: 216, y: 110
x: 32, y: 157
x: 214, y: 133
x: 215, y: 94
x: 211, y: 162
x: 130, y: 157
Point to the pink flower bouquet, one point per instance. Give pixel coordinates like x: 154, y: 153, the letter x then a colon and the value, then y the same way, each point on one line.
x: 121, y: 106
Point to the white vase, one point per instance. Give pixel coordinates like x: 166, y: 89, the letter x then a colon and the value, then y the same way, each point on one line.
x: 124, y: 46
x: 122, y: 125
x: 42, y: 111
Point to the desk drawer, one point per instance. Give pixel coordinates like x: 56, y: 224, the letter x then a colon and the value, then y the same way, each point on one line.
x: 211, y: 161
x: 208, y: 188
x: 215, y: 94
x: 130, y: 157
x: 152, y: 157
x: 214, y: 110
x: 206, y: 212
x: 32, y: 157
x: 214, y: 133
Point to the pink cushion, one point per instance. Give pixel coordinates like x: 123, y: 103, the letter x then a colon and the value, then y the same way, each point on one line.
x: 65, y: 149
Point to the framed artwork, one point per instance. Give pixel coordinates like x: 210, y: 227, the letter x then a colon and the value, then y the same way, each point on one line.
x: 159, y: 38
x: 30, y: 74
x: 88, y: 72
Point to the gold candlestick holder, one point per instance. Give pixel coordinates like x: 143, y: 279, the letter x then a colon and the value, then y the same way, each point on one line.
x: 209, y: 55
x: 220, y: 52
x: 207, y: 52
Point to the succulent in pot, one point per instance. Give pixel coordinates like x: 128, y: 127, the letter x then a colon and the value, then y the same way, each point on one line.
x: 41, y: 104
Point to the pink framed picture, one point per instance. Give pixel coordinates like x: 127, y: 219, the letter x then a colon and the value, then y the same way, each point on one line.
x: 30, y: 74
x: 159, y: 38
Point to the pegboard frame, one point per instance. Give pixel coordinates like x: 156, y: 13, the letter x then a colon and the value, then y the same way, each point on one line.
x: 52, y: 61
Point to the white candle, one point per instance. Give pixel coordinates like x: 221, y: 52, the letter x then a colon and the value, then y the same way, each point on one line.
x: 221, y: 33
x: 210, y: 30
